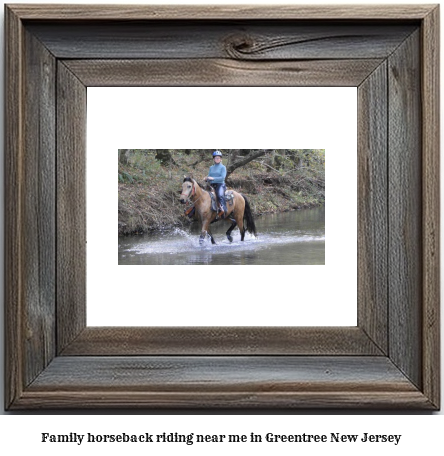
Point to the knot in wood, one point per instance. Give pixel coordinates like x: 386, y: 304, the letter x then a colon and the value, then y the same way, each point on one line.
x: 239, y: 46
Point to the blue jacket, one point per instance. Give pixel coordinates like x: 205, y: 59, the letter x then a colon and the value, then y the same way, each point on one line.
x: 218, y: 172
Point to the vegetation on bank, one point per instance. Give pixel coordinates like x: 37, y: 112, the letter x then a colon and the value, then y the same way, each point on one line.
x: 275, y: 180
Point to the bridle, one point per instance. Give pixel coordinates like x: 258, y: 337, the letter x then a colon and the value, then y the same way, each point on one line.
x: 190, y: 203
x: 188, y: 197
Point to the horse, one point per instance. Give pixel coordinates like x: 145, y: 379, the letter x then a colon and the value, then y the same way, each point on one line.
x: 238, y: 213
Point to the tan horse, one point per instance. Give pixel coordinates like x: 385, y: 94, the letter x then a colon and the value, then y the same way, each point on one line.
x: 238, y: 214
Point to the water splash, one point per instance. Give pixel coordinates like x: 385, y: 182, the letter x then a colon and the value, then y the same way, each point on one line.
x: 179, y: 241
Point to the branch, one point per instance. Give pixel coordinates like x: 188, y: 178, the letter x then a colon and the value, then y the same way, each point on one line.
x: 268, y: 166
x: 247, y: 159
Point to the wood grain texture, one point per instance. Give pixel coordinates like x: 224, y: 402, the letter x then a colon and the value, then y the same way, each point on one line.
x: 71, y: 206
x: 127, y: 341
x: 236, y: 40
x: 220, y: 12
x: 372, y: 207
x: 39, y: 207
x: 246, y: 401
x: 234, y: 382
x: 430, y: 93
x: 210, y: 373
x: 220, y: 72
x: 405, y: 209
x: 13, y: 210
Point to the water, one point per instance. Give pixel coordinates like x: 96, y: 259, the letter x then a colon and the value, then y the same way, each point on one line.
x: 289, y: 238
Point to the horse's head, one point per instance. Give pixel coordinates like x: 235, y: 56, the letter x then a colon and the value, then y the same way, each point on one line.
x: 187, y: 190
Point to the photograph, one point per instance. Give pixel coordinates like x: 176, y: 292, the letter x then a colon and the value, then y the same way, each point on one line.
x: 221, y: 206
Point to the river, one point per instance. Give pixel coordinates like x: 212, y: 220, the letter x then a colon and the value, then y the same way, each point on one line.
x: 296, y: 237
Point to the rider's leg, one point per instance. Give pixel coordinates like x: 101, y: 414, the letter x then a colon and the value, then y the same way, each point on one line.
x: 221, y: 188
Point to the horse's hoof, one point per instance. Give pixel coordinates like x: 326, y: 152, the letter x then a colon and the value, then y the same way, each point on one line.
x: 230, y: 238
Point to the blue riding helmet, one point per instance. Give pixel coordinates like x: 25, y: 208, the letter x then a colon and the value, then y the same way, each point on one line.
x: 217, y: 153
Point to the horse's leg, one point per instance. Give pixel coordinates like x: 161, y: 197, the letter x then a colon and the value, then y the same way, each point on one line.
x: 230, y: 218
x: 243, y: 233
x: 205, y: 231
x: 211, y: 236
x: 239, y: 216
x: 232, y: 227
x: 240, y: 224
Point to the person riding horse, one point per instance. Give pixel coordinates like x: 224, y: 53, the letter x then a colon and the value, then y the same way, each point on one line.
x: 238, y: 214
x: 216, y: 178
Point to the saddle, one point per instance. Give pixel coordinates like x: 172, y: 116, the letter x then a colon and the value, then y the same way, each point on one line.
x: 229, y: 198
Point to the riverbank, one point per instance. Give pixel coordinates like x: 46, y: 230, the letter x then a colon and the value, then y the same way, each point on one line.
x: 150, y: 200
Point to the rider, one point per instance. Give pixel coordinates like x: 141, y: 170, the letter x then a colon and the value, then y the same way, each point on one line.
x: 216, y: 177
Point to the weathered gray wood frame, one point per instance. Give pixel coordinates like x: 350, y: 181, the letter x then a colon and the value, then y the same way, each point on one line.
x: 390, y: 360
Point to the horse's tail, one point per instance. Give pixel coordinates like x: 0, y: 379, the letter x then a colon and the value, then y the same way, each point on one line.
x: 248, y: 217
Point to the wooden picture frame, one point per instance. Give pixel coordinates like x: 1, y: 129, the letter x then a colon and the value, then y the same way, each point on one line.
x: 390, y: 360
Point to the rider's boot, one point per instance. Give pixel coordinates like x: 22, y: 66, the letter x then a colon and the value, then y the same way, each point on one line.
x: 222, y: 212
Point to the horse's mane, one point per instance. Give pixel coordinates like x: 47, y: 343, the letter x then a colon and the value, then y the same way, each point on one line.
x: 188, y: 179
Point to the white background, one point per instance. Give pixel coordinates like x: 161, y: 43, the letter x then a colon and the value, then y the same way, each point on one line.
x: 19, y: 434
x: 231, y: 117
